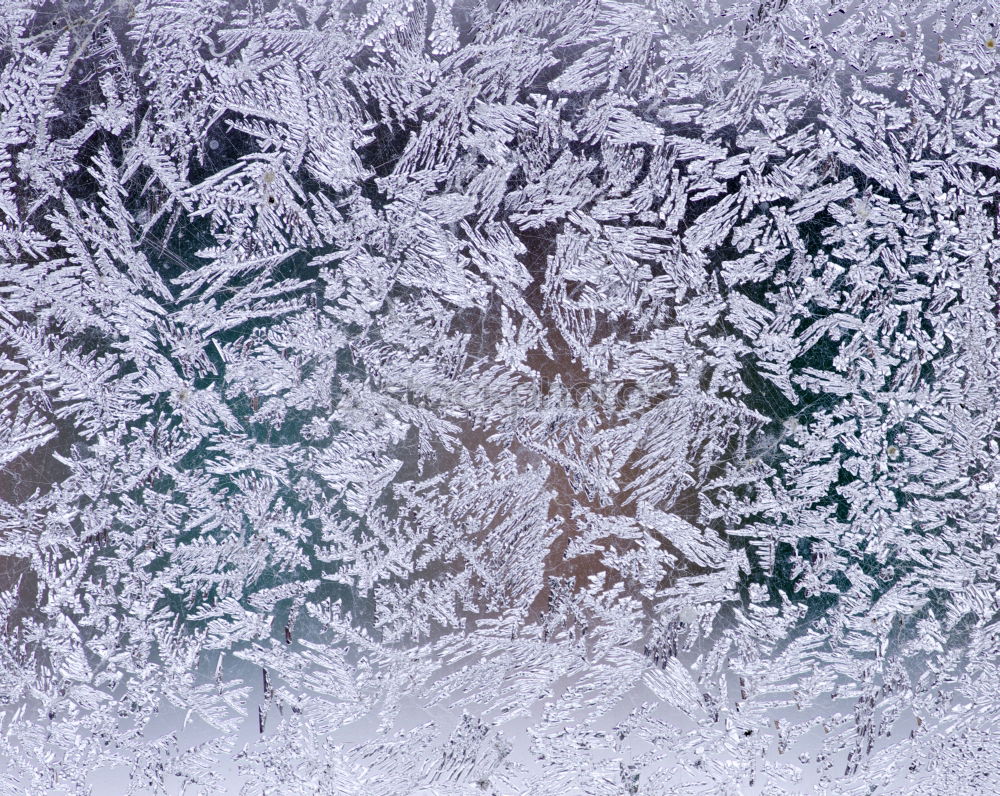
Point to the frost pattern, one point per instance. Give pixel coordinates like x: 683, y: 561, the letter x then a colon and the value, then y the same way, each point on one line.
x: 557, y: 397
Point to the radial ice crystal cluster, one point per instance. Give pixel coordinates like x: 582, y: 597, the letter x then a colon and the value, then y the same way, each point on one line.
x: 512, y: 397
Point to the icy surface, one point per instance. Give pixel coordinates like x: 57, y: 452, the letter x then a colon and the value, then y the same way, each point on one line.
x: 523, y: 397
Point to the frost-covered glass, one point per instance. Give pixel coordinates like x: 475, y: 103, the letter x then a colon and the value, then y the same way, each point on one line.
x: 513, y: 397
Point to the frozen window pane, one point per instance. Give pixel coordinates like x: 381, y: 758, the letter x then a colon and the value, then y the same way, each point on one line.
x: 499, y: 397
